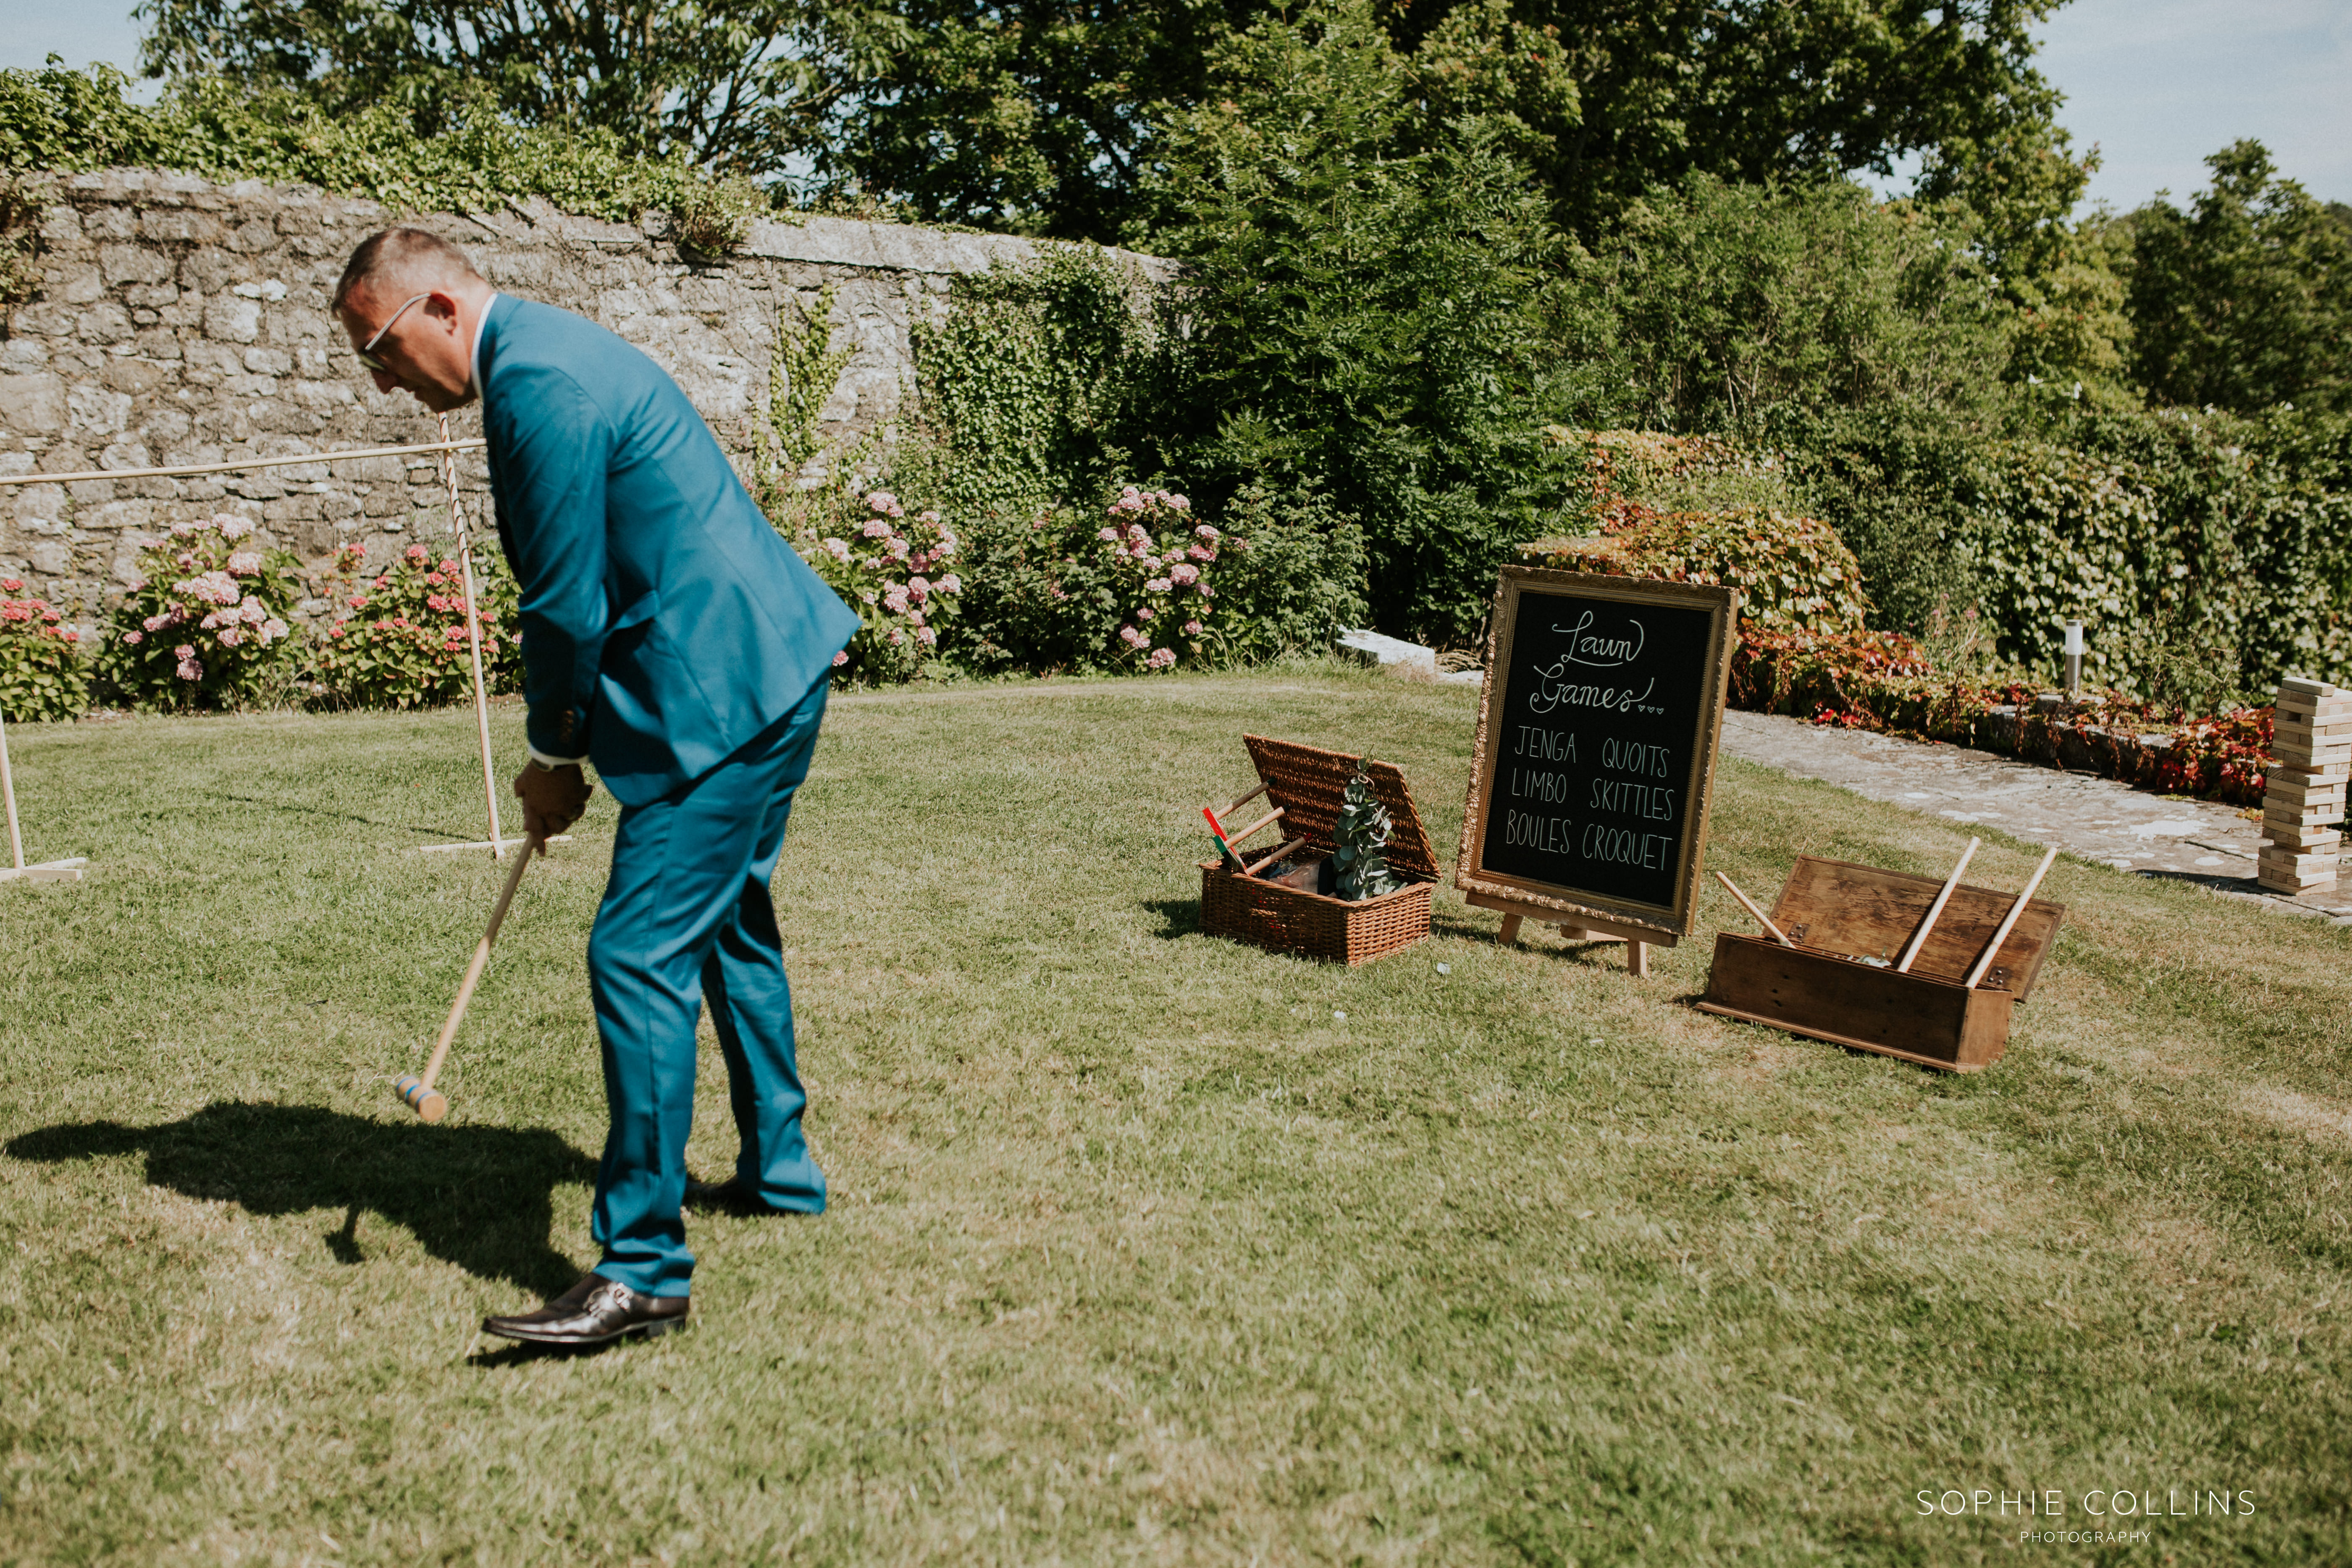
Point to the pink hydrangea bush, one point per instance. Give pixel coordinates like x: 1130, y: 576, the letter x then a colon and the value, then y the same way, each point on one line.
x: 41, y: 674
x: 207, y: 625
x: 899, y: 574
x: 398, y: 638
x: 1159, y: 560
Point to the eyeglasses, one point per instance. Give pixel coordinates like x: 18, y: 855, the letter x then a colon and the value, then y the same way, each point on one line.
x: 369, y: 359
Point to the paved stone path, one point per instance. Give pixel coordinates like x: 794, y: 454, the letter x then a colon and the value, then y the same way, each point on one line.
x: 2198, y: 841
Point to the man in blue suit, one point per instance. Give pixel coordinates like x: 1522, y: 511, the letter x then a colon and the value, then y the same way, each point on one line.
x: 673, y: 640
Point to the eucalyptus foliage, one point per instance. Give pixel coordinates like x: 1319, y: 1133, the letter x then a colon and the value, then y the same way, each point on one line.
x: 1359, y: 840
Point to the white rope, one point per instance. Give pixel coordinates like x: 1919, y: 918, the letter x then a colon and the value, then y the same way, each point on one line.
x: 471, y: 444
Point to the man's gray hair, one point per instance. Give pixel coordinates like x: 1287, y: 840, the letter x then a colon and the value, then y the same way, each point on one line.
x: 404, y: 258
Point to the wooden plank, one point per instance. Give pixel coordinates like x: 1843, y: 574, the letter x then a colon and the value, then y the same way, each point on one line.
x: 2297, y: 792
x: 2307, y: 840
x: 1866, y: 912
x: 1594, y: 923
x: 1913, y: 1017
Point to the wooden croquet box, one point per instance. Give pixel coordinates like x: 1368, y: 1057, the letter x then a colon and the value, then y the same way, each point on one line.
x: 1289, y: 915
x: 1837, y: 914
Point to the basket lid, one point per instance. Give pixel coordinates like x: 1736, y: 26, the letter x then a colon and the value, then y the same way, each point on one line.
x: 1309, y: 783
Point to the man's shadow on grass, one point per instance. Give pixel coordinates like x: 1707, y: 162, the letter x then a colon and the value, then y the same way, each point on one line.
x: 479, y: 1197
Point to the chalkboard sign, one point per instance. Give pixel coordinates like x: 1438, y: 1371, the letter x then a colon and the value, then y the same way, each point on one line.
x: 1596, y: 749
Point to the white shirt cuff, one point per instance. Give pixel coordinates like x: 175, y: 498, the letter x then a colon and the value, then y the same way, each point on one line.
x: 543, y: 760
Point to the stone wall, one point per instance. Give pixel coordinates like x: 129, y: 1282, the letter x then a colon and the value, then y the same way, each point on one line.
x: 182, y: 322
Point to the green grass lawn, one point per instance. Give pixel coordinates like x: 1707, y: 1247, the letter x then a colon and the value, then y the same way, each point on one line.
x: 1138, y: 1250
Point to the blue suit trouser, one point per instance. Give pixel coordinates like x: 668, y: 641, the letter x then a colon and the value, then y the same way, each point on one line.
x: 687, y: 919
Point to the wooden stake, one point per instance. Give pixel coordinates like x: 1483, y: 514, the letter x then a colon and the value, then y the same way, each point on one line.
x: 8, y: 788
x: 2010, y: 920
x: 418, y: 1093
x: 1749, y: 905
x: 473, y: 634
x: 1920, y: 937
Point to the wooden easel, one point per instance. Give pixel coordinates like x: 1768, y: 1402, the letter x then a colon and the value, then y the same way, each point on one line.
x: 1638, y: 940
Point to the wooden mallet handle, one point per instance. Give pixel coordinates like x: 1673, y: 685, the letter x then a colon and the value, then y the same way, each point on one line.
x: 418, y: 1093
x: 2010, y: 920
x: 1749, y: 905
x: 1935, y: 909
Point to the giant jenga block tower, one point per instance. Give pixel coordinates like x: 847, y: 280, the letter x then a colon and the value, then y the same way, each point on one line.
x: 2311, y: 754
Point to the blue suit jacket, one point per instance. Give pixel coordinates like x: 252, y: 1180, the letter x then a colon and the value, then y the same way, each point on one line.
x: 663, y: 622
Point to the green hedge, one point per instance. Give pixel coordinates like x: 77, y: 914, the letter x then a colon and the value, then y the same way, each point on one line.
x: 2206, y: 555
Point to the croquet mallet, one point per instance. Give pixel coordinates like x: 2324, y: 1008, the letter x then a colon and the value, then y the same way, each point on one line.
x: 418, y: 1093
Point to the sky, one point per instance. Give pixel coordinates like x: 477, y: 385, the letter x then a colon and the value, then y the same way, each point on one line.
x: 2156, y: 85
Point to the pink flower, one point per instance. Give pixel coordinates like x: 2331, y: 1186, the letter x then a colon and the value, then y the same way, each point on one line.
x: 1108, y: 534
x: 232, y: 528
x: 898, y: 638
x: 947, y: 546
x: 185, y: 650
x: 1157, y: 585
x: 1183, y: 573
x: 921, y: 587
x: 927, y: 517
x: 417, y: 552
x: 1191, y: 628
x: 1199, y: 552
x: 246, y: 563
x: 838, y: 549
x: 895, y: 549
x: 135, y: 638
x: 230, y: 637
x: 950, y: 584
x: 1161, y: 658
x: 1206, y: 532
x: 841, y: 658
x: 252, y: 612
x: 914, y: 617
x: 926, y: 637
x: 1132, y: 637
x: 272, y: 629
x: 895, y: 601
x: 1207, y: 592
x: 184, y: 529
x: 212, y: 587
x: 878, y: 529
x: 15, y: 610
x: 1179, y: 502
x: 72, y: 635
x: 450, y: 570
x: 336, y: 630
x: 189, y: 670
x: 186, y: 560
x: 157, y: 623
x: 11, y: 585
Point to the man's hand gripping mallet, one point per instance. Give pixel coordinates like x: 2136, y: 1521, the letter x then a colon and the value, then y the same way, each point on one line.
x: 418, y: 1093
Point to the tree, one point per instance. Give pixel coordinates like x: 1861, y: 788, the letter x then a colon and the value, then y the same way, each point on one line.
x: 1036, y: 116
x: 1357, y: 321
x: 743, y: 85
x: 2246, y: 300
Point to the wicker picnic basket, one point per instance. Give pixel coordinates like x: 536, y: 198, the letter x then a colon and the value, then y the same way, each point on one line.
x: 1289, y: 915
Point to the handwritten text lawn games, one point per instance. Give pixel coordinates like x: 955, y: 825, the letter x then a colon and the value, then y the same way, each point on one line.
x: 1598, y: 725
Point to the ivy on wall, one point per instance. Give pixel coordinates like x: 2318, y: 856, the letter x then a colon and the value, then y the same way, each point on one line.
x: 2205, y: 554
x: 70, y: 121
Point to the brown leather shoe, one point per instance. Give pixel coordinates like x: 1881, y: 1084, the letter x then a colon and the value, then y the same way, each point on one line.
x: 593, y: 1313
